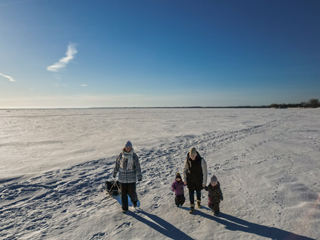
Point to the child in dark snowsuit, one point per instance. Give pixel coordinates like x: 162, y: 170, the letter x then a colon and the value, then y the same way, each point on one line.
x: 214, y: 195
x: 177, y: 187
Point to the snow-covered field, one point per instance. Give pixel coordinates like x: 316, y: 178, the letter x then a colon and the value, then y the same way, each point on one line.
x: 54, y: 164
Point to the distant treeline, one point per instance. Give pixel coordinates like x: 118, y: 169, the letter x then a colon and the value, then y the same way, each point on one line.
x: 313, y: 103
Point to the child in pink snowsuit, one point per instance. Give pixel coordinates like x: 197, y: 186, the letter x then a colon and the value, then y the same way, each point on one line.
x: 177, y: 187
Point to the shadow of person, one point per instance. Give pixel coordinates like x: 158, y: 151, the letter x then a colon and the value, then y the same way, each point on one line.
x: 236, y: 224
x: 160, y: 225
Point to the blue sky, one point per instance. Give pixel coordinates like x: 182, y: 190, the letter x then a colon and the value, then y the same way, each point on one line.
x: 143, y: 53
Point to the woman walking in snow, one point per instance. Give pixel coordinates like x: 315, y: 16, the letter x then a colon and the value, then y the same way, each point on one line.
x: 128, y: 166
x: 195, y: 176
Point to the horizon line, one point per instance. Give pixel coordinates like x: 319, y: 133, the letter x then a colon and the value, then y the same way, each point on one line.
x: 190, y: 107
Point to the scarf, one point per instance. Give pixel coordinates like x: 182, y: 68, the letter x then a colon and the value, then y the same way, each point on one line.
x: 129, y: 157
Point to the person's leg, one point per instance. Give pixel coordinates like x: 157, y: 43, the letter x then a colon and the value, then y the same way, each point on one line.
x: 210, y: 204
x: 124, y: 197
x: 132, y: 193
x: 216, y: 209
x: 199, y: 198
x: 191, y: 196
x: 199, y: 195
x: 182, y: 199
x: 176, y: 200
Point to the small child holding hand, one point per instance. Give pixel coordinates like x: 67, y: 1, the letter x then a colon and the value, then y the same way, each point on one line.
x: 177, y: 187
x: 214, y: 195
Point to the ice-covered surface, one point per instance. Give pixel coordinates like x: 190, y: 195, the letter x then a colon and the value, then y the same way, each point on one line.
x: 54, y: 163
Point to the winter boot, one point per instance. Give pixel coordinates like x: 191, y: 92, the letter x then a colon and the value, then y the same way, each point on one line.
x: 192, y: 208
x: 124, y: 211
x: 199, y: 203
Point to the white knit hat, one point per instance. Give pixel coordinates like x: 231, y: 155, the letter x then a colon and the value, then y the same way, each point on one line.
x: 193, y: 152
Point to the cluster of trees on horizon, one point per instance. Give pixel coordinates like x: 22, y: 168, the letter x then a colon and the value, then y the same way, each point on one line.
x: 313, y: 103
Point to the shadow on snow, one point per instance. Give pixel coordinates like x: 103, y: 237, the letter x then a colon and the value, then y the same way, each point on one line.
x: 160, y: 225
x: 236, y: 224
x: 231, y: 223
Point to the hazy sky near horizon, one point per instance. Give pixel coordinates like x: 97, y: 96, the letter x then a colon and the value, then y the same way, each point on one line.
x: 144, y: 53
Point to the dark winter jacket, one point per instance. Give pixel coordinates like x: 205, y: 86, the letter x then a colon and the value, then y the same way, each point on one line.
x: 177, y: 187
x: 195, y: 172
x: 127, y: 174
x: 214, y: 194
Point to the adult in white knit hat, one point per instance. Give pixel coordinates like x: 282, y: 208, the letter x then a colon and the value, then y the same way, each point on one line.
x: 195, y: 176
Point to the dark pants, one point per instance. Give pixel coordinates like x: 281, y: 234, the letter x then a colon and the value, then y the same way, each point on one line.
x: 179, y: 199
x: 214, y: 207
x: 128, y: 189
x: 191, y: 195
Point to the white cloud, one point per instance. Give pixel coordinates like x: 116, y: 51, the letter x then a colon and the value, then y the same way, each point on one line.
x: 10, y: 78
x: 83, y: 85
x: 65, y: 60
